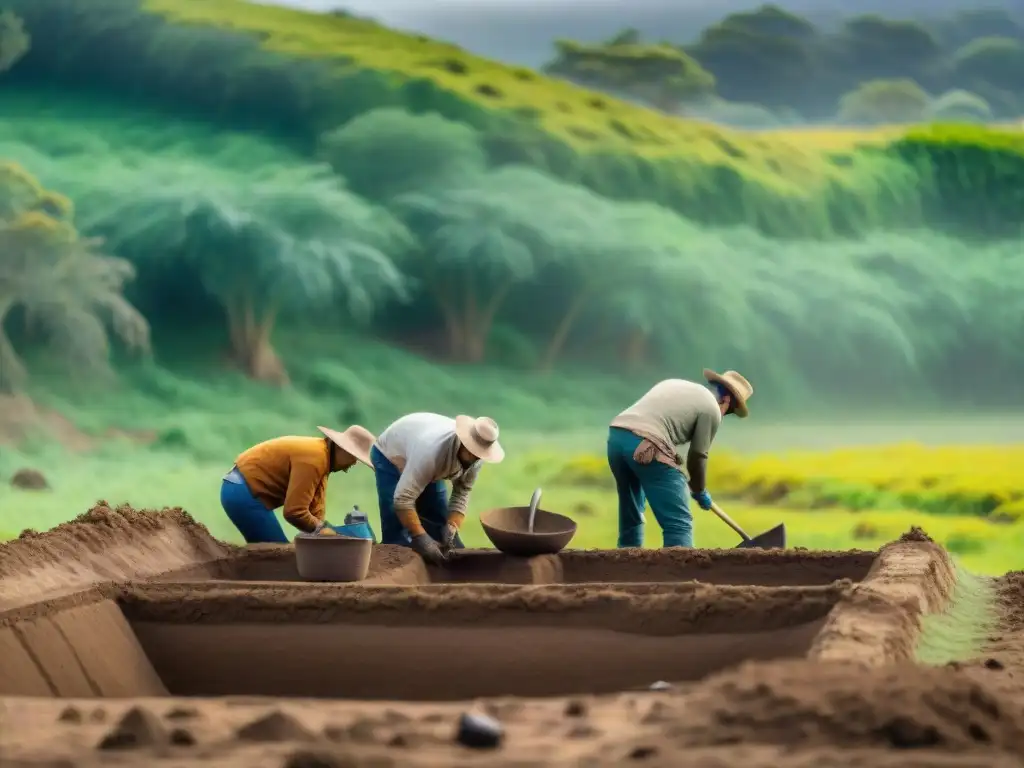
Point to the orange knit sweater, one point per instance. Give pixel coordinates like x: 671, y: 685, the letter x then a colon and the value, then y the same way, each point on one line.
x: 291, y: 472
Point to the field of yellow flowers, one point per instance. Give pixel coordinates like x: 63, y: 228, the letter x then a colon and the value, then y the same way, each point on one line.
x: 971, y: 498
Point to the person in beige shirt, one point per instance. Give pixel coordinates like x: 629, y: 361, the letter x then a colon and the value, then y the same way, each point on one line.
x: 642, y: 454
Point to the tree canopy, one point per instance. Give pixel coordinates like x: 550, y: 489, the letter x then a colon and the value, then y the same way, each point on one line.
x: 774, y: 59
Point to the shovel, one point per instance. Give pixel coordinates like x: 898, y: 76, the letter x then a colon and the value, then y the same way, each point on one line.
x: 771, y: 539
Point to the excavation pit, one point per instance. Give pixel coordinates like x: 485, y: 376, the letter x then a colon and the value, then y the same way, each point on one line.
x: 397, y: 566
x: 306, y: 640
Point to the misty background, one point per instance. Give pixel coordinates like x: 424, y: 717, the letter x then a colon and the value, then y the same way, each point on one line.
x: 522, y: 31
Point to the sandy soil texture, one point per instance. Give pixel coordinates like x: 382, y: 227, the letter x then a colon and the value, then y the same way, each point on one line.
x: 128, y: 638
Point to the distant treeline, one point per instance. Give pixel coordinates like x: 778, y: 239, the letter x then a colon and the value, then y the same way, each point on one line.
x: 772, y: 66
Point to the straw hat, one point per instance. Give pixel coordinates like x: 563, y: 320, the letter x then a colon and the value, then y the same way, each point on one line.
x: 738, y: 387
x: 480, y: 436
x: 355, y: 441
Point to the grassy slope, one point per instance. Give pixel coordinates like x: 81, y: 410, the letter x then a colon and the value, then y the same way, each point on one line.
x: 586, y: 120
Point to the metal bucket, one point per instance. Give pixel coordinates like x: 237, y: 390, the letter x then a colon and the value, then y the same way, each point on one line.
x: 508, y: 529
x: 332, y: 558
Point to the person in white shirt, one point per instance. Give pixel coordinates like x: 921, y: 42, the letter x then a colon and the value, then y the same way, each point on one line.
x: 642, y: 454
x: 411, y: 459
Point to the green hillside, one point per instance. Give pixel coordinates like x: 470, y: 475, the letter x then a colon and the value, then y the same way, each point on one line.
x: 301, y: 74
x: 252, y: 169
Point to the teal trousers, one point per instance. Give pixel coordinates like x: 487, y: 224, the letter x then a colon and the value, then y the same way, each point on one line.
x: 661, y: 485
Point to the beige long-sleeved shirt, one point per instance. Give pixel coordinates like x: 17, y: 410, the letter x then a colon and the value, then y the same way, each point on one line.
x: 424, y: 448
x: 676, y: 412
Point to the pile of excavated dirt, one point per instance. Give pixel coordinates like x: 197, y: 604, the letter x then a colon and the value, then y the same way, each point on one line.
x: 855, y: 699
x: 104, y: 544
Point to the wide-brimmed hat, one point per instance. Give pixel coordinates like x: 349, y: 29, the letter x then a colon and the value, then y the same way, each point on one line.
x: 355, y: 441
x: 738, y: 387
x: 480, y: 436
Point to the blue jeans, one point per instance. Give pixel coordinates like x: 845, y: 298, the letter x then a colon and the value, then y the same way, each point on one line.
x: 661, y: 485
x: 256, y: 523
x: 431, y: 506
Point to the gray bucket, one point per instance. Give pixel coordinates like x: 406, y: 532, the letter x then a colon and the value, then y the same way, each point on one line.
x: 332, y: 558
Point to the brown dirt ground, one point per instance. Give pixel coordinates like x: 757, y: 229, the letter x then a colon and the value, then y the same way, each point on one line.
x: 856, y: 699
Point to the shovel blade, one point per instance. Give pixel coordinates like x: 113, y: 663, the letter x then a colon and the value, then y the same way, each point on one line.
x: 773, y: 539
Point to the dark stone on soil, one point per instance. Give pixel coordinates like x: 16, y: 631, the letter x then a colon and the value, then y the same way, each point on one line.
x: 308, y: 759
x: 905, y: 733
x: 575, y: 708
x: 70, y: 715
x: 138, y: 728
x: 276, y: 726
x: 642, y: 753
x: 479, y: 731
x: 182, y: 713
x: 182, y: 737
x: 29, y: 480
x: 994, y: 664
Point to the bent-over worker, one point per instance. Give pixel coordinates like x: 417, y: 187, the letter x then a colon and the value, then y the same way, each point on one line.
x: 642, y: 454
x: 411, y: 459
x: 291, y: 472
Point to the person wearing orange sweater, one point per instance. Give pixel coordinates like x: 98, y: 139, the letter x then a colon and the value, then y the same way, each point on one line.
x: 289, y: 472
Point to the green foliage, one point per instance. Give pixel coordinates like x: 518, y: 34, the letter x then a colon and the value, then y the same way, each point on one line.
x: 386, y: 152
x: 972, y: 177
x: 879, y: 102
x: 14, y: 41
x: 960, y: 106
x: 660, y: 75
x: 752, y: 66
x: 68, y: 293
x: 998, y: 61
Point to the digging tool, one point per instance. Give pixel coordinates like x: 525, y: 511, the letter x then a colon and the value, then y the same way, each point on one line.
x: 774, y: 538
x: 771, y: 539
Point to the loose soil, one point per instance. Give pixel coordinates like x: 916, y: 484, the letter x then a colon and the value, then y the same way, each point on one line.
x: 774, y: 659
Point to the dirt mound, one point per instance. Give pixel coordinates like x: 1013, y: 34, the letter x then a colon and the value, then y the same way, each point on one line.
x: 801, y: 704
x: 1011, y: 598
x: 916, y: 534
x: 104, y: 544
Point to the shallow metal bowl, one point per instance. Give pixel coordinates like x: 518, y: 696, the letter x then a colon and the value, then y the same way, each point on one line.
x: 508, y: 530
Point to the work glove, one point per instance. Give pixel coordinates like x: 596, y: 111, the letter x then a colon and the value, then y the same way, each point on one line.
x: 448, y: 534
x: 703, y: 499
x: 323, y: 529
x: 428, y: 549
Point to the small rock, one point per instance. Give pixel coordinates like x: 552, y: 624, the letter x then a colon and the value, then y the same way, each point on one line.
x: 70, y: 715
x: 276, y: 726
x: 182, y: 713
x: 309, y: 759
x: 398, y: 740
x: 138, y: 728
x: 363, y: 731
x: 99, y: 715
x: 661, y: 685
x: 575, y: 708
x: 642, y: 753
x: 29, y: 480
x: 182, y: 737
x: 479, y: 731
x: 994, y: 664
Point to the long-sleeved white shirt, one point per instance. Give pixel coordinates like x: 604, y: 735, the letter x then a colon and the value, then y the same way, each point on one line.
x: 424, y: 448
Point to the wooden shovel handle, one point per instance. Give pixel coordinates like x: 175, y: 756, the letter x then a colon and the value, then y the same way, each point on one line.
x: 729, y: 521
